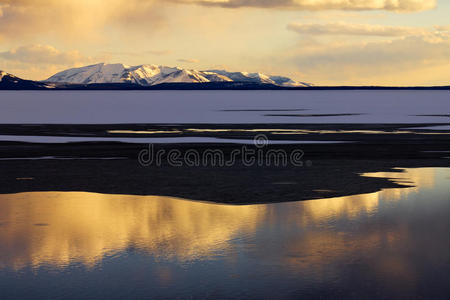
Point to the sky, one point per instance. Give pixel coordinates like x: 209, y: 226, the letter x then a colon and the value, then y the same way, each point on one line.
x: 324, y: 42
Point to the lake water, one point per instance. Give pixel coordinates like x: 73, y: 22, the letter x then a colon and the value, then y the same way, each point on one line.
x: 83, y: 245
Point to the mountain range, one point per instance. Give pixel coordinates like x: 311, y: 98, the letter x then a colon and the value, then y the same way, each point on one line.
x: 151, y: 75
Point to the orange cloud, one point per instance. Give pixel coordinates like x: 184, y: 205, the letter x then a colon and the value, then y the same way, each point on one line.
x: 354, y: 29
x: 398, y: 5
x: 413, y: 60
x: 43, y: 54
x: 75, y: 18
x: 40, y: 61
x: 188, y: 60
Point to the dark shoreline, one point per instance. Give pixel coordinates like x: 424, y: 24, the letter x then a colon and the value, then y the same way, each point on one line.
x: 323, y: 178
x: 329, y: 170
x: 240, y: 86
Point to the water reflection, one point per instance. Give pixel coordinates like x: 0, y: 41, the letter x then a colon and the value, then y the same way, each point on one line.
x: 273, y: 131
x: 85, y: 226
x: 382, y: 239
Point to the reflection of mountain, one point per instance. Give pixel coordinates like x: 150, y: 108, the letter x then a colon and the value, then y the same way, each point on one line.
x: 58, y: 228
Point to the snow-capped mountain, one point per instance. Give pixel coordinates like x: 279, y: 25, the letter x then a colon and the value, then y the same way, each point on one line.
x: 11, y: 82
x: 148, y: 75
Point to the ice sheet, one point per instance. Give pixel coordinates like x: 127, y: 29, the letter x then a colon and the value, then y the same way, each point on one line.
x: 113, y: 107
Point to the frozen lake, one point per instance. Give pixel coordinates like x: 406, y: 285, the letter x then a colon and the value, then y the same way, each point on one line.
x: 114, y: 107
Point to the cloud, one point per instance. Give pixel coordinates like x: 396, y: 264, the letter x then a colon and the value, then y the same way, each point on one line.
x: 97, y: 20
x: 92, y: 18
x: 158, y: 52
x: 216, y: 33
x: 390, y: 5
x: 138, y: 53
x: 71, y: 19
x: 402, y: 61
x: 188, y: 60
x: 43, y: 54
x: 354, y: 29
x: 442, y: 28
x: 41, y: 61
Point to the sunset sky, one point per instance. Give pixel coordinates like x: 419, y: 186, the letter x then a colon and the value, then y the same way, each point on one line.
x: 325, y: 42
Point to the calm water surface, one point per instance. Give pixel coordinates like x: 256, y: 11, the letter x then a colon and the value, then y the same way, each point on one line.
x: 394, y: 243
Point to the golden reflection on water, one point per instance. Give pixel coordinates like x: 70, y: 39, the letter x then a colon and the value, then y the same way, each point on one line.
x: 58, y: 228
x: 322, y: 246
x: 352, y: 207
x: 419, y: 178
x: 144, y: 131
x: 279, y: 131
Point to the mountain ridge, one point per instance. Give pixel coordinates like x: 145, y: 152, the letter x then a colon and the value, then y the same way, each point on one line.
x: 150, y: 75
x: 11, y: 82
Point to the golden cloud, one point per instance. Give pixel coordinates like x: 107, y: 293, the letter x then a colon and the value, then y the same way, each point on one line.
x: 93, y: 17
x: 412, y: 60
x: 37, y: 61
x: 354, y: 29
x: 398, y: 5
x: 75, y: 18
x: 43, y: 54
x: 442, y: 28
x: 188, y: 60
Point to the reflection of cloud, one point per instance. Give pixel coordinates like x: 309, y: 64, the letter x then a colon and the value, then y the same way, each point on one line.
x: 325, y: 255
x: 346, y: 232
x: 416, y: 178
x: 83, y: 227
x: 352, y: 207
